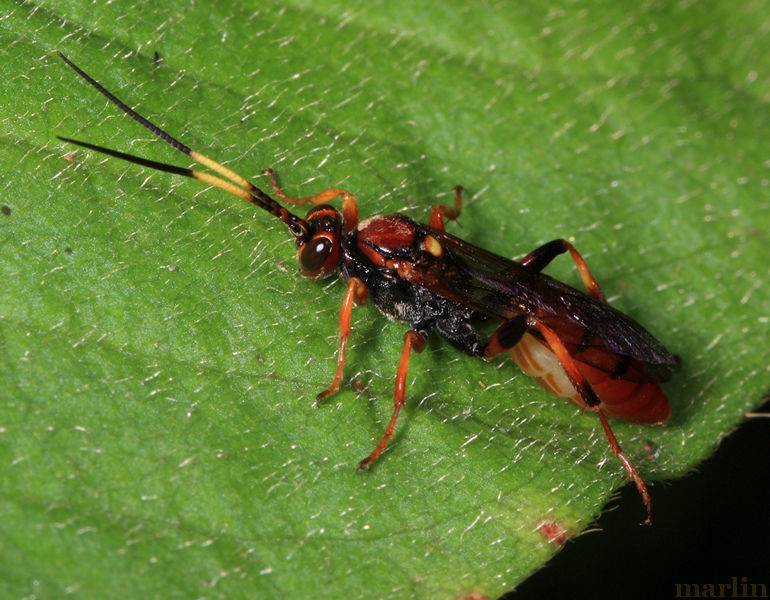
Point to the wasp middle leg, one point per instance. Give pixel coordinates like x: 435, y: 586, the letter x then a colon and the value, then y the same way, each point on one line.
x: 412, y: 340
x: 441, y: 212
x: 539, y: 258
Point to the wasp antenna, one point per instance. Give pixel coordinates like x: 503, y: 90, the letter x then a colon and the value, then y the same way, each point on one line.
x: 162, y: 134
x: 243, y: 188
x: 167, y: 168
x: 137, y: 160
x: 146, y: 123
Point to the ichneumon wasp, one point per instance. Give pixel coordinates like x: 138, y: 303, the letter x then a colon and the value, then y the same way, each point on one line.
x: 573, y: 343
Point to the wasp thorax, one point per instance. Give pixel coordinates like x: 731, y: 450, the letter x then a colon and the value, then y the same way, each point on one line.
x: 320, y: 255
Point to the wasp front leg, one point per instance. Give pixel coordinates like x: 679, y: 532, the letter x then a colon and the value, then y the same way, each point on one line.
x: 412, y: 340
x: 349, y: 203
x: 539, y: 258
x: 588, y: 396
x: 440, y: 212
x: 355, y: 294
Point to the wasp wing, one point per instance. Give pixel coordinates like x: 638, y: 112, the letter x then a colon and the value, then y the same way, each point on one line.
x: 499, y: 287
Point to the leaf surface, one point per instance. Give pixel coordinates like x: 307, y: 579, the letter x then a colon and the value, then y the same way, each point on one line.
x: 159, y: 353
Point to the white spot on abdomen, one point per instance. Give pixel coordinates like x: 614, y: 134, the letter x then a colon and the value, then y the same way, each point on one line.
x: 536, y: 360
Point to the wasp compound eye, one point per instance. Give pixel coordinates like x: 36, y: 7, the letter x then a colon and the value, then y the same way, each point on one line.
x: 318, y: 257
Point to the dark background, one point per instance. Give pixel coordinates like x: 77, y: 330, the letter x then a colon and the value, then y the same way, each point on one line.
x: 710, y: 526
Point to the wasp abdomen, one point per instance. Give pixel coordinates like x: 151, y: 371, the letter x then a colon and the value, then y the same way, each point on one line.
x: 629, y: 397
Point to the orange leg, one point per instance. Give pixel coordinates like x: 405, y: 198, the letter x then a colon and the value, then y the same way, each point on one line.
x: 349, y: 204
x: 589, y: 397
x: 412, y: 339
x: 441, y: 212
x: 355, y: 294
x: 540, y: 257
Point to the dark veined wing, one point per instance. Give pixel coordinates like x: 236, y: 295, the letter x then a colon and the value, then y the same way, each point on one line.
x: 500, y: 287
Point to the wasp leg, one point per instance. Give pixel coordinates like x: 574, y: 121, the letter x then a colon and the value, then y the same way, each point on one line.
x: 589, y: 397
x: 441, y: 211
x: 349, y: 203
x: 506, y: 336
x: 540, y: 257
x: 355, y: 294
x: 412, y: 339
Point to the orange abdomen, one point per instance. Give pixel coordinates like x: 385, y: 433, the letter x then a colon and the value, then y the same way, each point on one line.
x: 629, y: 397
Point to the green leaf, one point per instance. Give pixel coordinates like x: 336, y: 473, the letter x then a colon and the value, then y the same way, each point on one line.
x: 159, y: 353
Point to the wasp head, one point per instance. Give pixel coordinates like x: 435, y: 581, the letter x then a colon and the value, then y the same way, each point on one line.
x: 319, y: 252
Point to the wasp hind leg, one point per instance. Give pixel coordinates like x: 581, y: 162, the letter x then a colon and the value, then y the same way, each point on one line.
x: 349, y: 203
x: 355, y: 294
x: 441, y: 212
x: 412, y: 340
x: 539, y: 258
x: 588, y: 396
x: 506, y: 336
